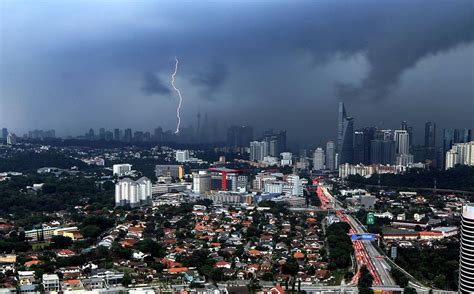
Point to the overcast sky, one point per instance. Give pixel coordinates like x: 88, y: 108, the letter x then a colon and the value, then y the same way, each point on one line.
x: 72, y: 65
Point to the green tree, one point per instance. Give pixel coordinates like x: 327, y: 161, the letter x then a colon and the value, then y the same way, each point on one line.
x: 365, y: 281
x: 90, y: 231
x: 291, y: 267
x: 127, y: 280
x: 60, y: 242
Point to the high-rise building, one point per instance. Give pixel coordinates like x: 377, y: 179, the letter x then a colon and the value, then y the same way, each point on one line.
x: 331, y: 155
x: 128, y: 135
x: 109, y: 136
x: 11, y: 139
x: 232, y: 136
x: 133, y: 193
x: 466, y: 260
x: 453, y: 136
x: 201, y: 182
x: 409, y: 129
x: 258, y: 150
x: 345, y: 136
x: 239, y: 136
x: 369, y: 135
x: 402, y: 142
x: 101, y: 134
x: 182, y: 155
x: 121, y: 170
x: 359, y: 147
x: 273, y: 147
x: 138, y: 136
x: 382, y: 151
x: 41, y: 134
x: 4, y: 134
x: 246, y: 136
x: 158, y: 134
x: 430, y: 141
x: 460, y: 153
x: 430, y: 134
x: 117, y: 136
x: 233, y: 140
x: 402, y: 148
x: 91, y: 134
x: 286, y: 159
x: 462, y: 135
x: 318, y: 159
x: 276, y: 141
x: 282, y: 141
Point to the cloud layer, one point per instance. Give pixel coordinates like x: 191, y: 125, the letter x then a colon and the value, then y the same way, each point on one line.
x: 267, y: 63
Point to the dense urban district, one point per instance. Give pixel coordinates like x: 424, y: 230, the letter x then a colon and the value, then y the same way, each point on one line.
x: 105, y: 214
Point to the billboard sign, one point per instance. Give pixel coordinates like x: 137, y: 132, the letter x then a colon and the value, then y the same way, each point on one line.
x: 370, y: 219
x: 363, y: 237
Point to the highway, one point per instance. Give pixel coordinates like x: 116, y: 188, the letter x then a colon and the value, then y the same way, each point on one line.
x: 365, y: 251
x: 378, y: 261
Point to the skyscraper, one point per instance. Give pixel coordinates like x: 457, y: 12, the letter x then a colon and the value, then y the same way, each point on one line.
x: 258, y: 150
x: 460, y: 153
x: 239, y: 136
x: 282, y: 141
x: 91, y: 134
x: 128, y: 135
x: 318, y: 159
x: 409, y: 129
x: 158, y: 134
x: 4, y: 134
x: 369, y: 135
x: 102, y: 134
x: 330, y: 155
x: 402, y: 142
x: 452, y: 136
x: 279, y: 141
x: 430, y: 141
x: 382, y: 151
x: 430, y: 134
x: 345, y: 136
x: 273, y: 147
x: 117, y: 134
x: 11, y: 139
x: 359, y: 147
x: 466, y: 261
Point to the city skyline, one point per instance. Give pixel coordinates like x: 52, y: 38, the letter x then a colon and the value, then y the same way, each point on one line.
x: 98, y: 75
x: 270, y: 147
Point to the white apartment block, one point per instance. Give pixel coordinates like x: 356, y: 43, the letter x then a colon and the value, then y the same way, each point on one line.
x: 461, y: 153
x: 133, y: 193
x: 121, y: 170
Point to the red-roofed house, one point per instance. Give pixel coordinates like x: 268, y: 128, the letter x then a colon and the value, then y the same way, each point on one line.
x: 222, y: 264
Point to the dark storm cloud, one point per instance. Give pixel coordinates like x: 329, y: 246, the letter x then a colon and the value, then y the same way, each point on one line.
x: 395, y: 48
x: 153, y: 85
x: 291, y: 58
x: 211, y: 80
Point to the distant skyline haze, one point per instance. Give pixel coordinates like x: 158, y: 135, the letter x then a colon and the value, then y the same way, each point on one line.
x: 76, y: 65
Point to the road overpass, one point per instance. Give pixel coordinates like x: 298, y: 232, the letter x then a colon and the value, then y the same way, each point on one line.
x: 365, y: 251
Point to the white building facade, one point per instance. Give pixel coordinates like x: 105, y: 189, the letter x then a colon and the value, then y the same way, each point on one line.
x: 461, y: 153
x: 182, y: 155
x: 121, y: 170
x: 466, y: 262
x: 258, y: 150
x: 201, y: 182
x: 133, y: 193
x: 319, y: 159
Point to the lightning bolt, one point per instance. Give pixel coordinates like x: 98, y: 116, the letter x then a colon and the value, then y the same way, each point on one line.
x: 179, y: 94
